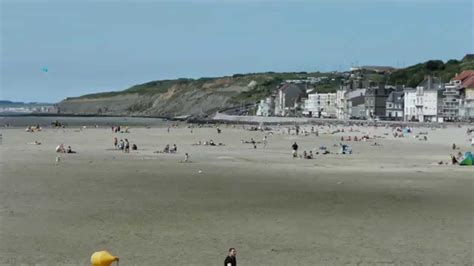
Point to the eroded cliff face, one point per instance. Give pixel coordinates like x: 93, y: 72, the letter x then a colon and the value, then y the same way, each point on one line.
x: 115, y: 105
x: 192, y: 97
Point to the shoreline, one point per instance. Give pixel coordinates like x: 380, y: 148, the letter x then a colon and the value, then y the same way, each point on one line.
x: 220, y: 118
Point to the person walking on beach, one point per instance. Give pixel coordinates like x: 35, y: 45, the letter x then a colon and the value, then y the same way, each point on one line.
x: 231, y: 259
x: 115, y: 142
x: 127, y: 146
x: 265, y: 141
x: 295, y: 150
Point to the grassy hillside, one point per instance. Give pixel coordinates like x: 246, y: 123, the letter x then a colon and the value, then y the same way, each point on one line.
x: 266, y: 83
x: 206, y: 95
x: 413, y: 75
x: 151, y: 87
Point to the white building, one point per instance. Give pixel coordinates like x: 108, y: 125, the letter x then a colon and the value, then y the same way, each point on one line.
x: 341, y: 104
x: 288, y: 98
x: 428, y: 102
x: 409, y: 103
x: 265, y: 107
x: 355, y: 103
x: 320, y: 105
x: 451, y: 101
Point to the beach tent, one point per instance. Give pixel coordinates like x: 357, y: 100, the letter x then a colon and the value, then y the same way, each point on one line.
x: 102, y: 258
x: 467, y: 159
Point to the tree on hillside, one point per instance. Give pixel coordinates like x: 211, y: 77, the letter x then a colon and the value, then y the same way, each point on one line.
x: 434, y: 65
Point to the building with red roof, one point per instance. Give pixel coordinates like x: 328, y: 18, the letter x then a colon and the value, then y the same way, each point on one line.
x: 461, y: 87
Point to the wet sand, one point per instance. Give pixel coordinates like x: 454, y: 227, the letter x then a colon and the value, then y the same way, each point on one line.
x: 382, y: 205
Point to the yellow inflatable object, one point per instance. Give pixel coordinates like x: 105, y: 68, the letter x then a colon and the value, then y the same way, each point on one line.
x: 102, y: 258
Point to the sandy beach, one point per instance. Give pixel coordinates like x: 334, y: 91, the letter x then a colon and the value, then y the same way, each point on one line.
x: 390, y: 204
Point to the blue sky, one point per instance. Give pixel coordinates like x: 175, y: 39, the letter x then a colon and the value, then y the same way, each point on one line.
x: 94, y: 46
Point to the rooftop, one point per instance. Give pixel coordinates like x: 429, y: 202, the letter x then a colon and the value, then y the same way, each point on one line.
x: 431, y: 83
x: 466, y: 77
x: 395, y: 96
x: 355, y: 93
x: 468, y: 83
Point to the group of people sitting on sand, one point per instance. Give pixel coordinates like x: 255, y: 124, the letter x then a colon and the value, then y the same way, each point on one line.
x: 118, y: 129
x: 33, y: 128
x: 60, y: 149
x: 398, y: 135
x: 257, y: 128
x: 251, y: 141
x: 57, y: 124
x: 424, y: 138
x: 363, y: 138
x: 403, y: 130
x: 167, y: 149
x: 307, y: 155
x: 124, y: 145
x: 208, y: 143
x: 456, y: 159
x: 324, y: 150
x: 310, y: 155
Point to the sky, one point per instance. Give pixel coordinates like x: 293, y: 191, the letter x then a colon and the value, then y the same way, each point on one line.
x: 105, y: 45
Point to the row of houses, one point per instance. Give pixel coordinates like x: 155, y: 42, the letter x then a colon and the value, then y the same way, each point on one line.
x: 432, y: 100
x: 296, y: 99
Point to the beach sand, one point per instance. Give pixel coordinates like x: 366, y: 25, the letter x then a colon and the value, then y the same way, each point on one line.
x: 382, y: 205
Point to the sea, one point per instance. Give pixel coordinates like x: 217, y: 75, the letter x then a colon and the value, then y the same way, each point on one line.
x: 73, y: 121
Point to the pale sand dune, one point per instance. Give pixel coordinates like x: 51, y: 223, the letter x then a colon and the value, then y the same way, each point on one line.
x: 383, y: 205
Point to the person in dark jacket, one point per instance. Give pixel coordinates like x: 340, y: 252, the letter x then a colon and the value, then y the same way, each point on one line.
x: 295, y: 150
x: 231, y: 259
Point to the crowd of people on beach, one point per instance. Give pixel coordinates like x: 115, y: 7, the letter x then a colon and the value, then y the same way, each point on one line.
x: 322, y: 150
x: 398, y: 131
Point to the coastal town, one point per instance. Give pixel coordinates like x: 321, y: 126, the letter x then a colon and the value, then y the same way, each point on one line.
x: 13, y: 108
x: 361, y: 98
x: 237, y: 133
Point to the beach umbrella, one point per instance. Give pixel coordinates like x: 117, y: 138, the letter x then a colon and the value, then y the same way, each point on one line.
x: 103, y: 258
